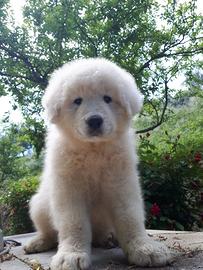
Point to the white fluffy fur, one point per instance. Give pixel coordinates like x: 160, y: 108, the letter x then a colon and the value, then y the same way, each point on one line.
x: 90, y: 186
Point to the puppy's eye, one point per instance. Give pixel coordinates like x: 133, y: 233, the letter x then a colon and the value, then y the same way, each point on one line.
x: 78, y: 101
x: 107, y: 99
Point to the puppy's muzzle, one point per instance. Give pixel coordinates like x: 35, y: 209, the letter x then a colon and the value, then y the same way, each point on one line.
x: 95, y: 123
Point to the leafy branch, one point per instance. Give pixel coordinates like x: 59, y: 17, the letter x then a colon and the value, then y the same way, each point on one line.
x: 168, y: 55
x: 15, y: 54
x: 160, y: 119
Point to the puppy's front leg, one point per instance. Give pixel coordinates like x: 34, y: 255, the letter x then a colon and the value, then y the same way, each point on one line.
x: 71, y: 220
x: 128, y: 216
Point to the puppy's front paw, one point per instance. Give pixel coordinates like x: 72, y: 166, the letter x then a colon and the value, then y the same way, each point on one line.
x: 148, y: 253
x: 70, y: 261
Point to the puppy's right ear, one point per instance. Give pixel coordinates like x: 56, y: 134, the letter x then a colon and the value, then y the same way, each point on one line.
x: 51, y: 100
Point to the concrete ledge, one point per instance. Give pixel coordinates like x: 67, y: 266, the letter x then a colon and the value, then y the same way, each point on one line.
x: 187, y: 248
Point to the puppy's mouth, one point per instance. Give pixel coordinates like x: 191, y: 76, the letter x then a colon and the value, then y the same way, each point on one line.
x: 95, y: 133
x: 91, y: 135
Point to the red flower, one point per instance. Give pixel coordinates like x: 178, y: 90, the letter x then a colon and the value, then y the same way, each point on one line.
x: 155, y: 209
x: 197, y: 157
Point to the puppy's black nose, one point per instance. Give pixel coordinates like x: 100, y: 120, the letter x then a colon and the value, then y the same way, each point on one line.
x: 95, y: 122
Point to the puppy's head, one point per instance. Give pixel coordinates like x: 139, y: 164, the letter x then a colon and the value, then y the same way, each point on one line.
x: 92, y: 99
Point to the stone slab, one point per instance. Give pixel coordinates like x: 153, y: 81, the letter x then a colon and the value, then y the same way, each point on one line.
x: 187, y: 248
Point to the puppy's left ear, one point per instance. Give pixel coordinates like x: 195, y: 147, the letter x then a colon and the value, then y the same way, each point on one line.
x: 134, y: 97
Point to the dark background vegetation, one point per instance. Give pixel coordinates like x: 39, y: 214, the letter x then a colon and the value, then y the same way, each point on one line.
x: 156, y: 42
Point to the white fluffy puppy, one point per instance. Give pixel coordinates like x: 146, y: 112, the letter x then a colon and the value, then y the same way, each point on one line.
x: 90, y: 187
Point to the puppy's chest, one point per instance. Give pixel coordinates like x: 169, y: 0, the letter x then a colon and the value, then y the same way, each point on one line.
x: 97, y: 169
x: 94, y: 174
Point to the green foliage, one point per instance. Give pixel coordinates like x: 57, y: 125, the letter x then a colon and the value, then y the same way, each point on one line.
x: 11, y: 155
x: 195, y: 81
x: 153, y: 41
x: 17, y: 158
x: 14, y: 205
x: 172, y: 171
